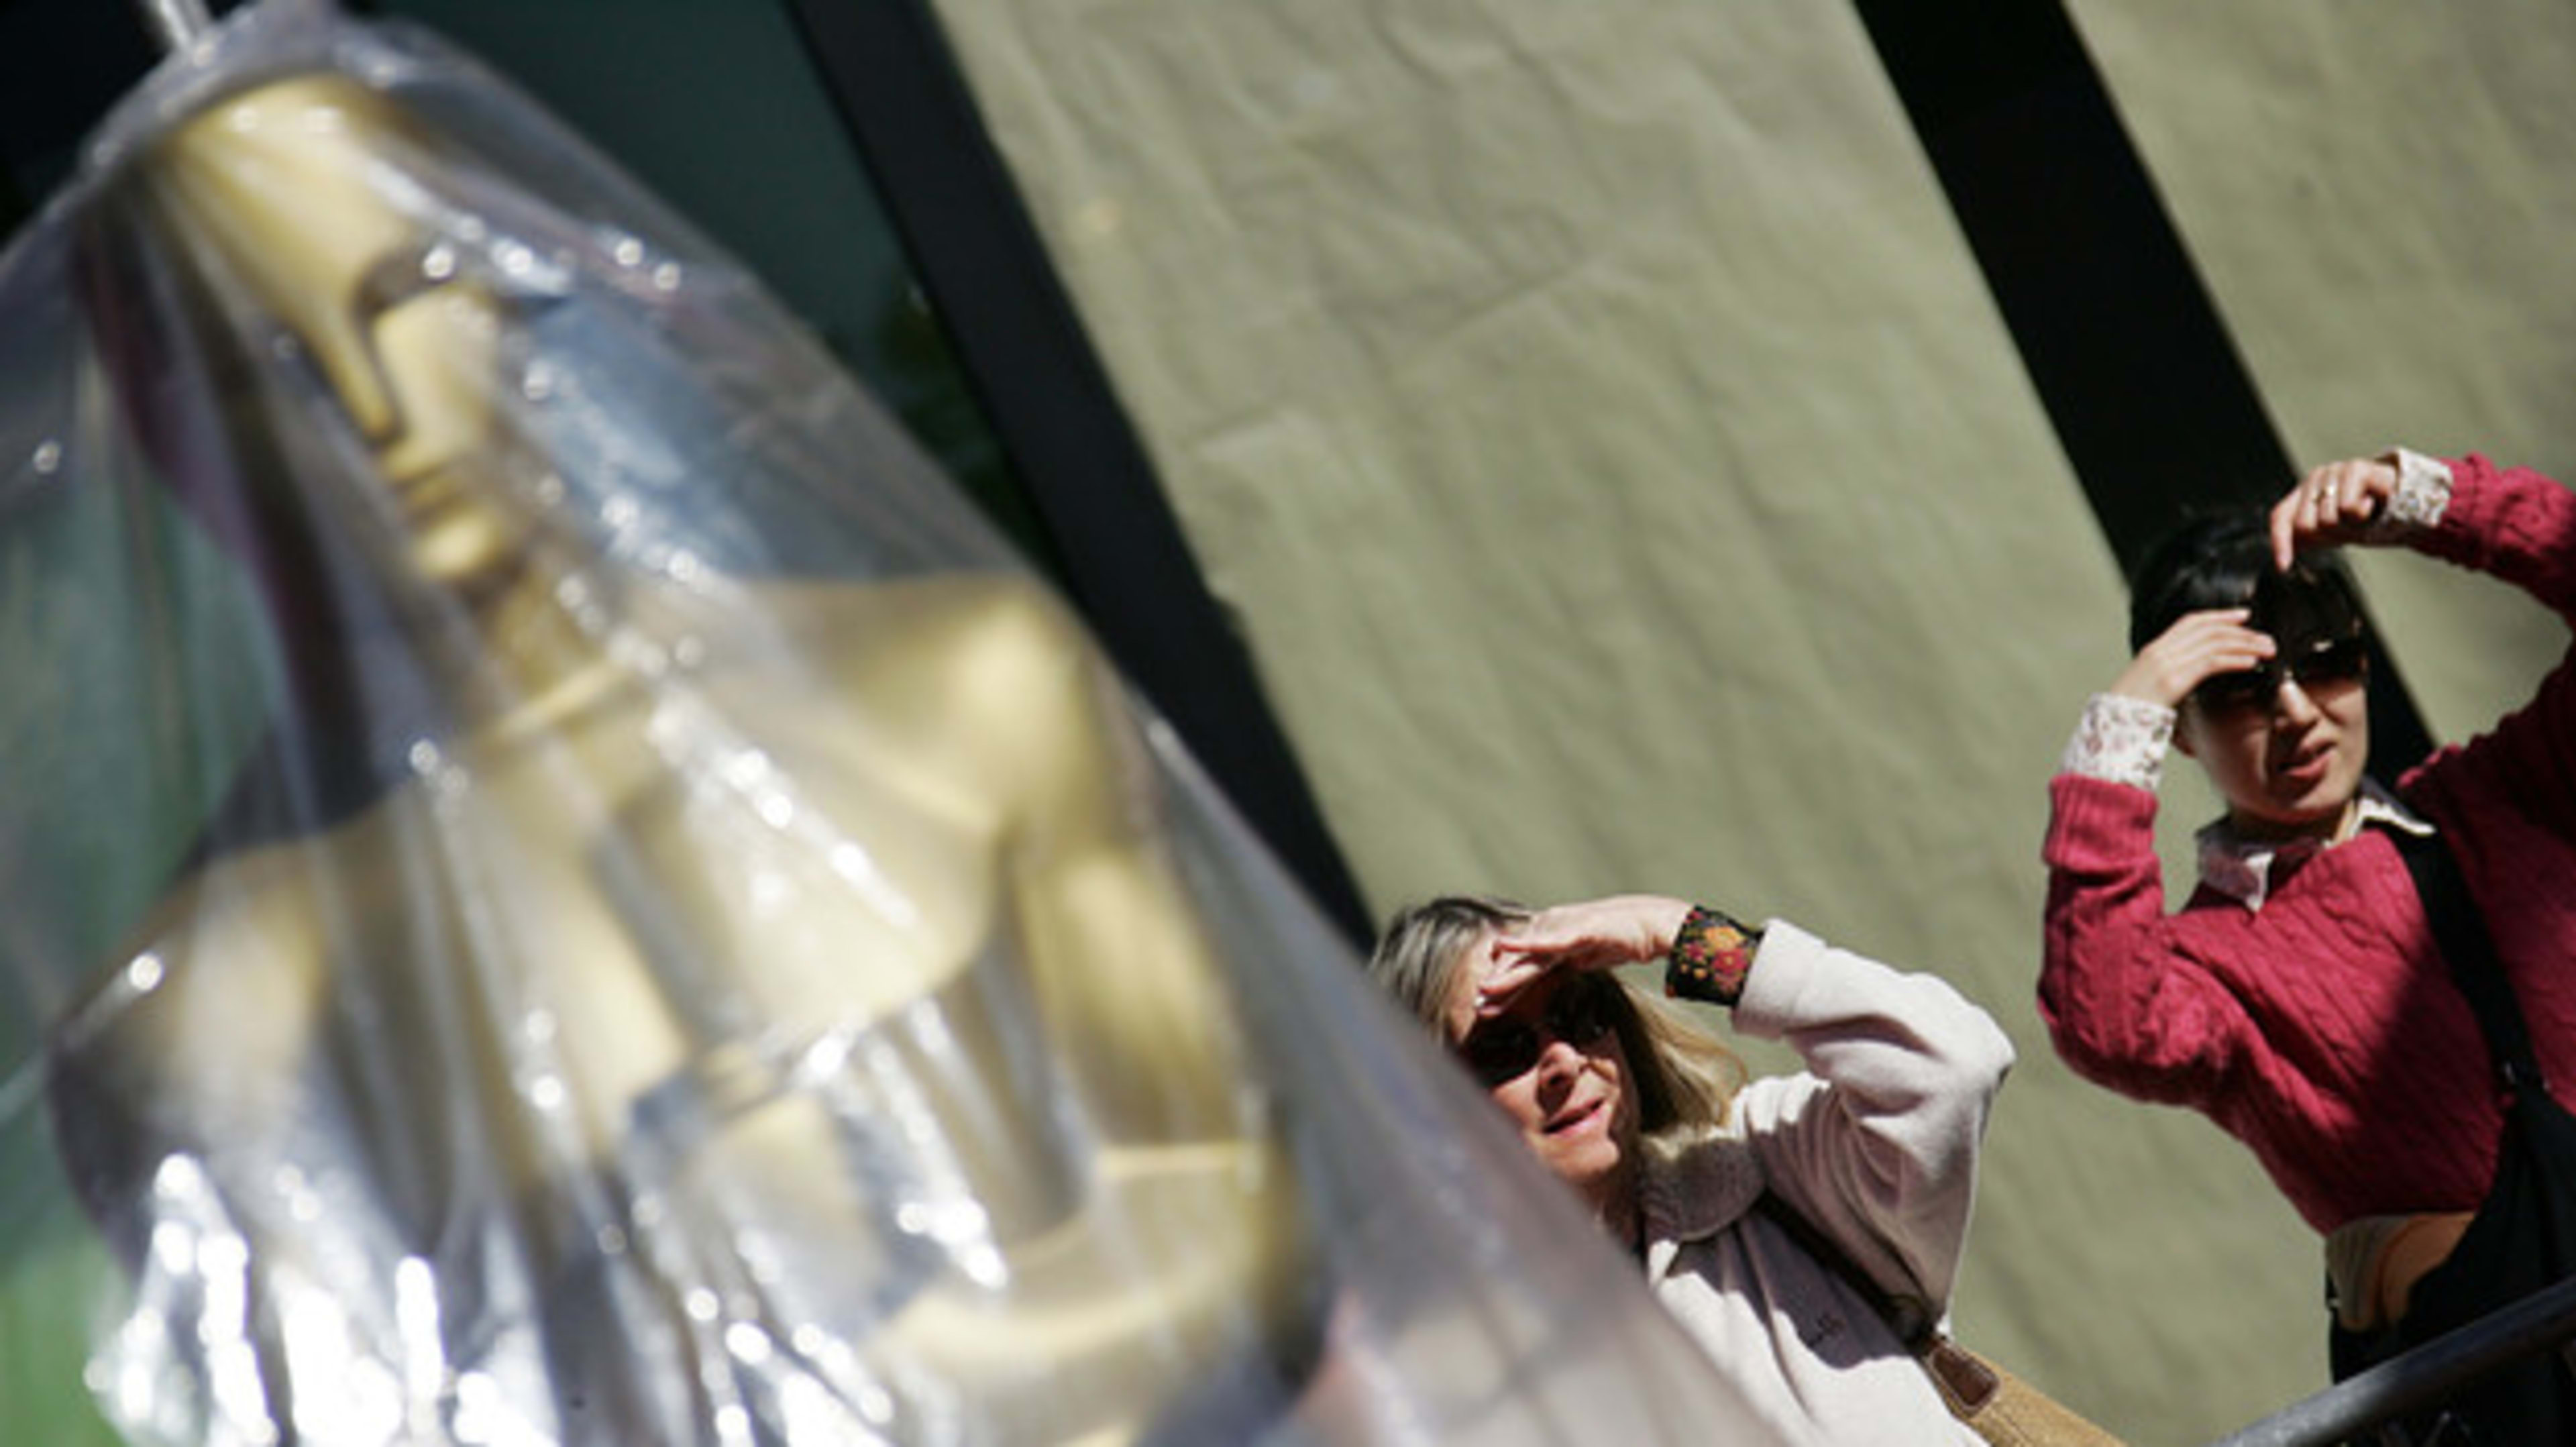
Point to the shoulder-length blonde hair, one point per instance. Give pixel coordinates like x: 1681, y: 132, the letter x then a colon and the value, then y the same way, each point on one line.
x: 1685, y: 1078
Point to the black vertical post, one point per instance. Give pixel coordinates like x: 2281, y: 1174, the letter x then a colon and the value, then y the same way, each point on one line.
x: 2140, y: 380
x: 982, y: 264
x: 63, y: 64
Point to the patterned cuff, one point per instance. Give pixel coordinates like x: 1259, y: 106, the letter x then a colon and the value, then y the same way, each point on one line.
x: 1710, y: 956
x: 2423, y: 494
x: 2121, y: 739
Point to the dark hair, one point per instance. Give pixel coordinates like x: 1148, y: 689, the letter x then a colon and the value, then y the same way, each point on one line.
x: 2224, y: 560
x: 1684, y: 1077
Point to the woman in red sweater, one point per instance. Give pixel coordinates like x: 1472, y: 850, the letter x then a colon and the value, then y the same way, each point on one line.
x: 2298, y: 998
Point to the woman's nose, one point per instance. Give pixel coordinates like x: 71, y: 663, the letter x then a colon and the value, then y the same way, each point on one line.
x: 2290, y: 701
x: 1558, y: 1058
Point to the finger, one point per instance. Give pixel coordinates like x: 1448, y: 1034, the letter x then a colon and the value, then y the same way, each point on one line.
x: 2213, y: 618
x: 2368, y: 486
x: 1499, y: 987
x: 2227, y: 660
x: 2346, y: 497
x: 1542, y: 935
x: 2218, y: 650
x: 2330, y: 504
x: 2300, y: 520
x: 2239, y: 640
x: 1560, y: 954
x: 1539, y: 949
x: 1549, y: 929
x: 2234, y: 642
x: 2285, y: 528
x: 1553, y: 949
x: 2177, y: 659
x: 2210, y: 631
x: 2211, y: 622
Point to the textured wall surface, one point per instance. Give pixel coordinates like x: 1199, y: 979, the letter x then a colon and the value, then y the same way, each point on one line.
x: 2379, y: 197
x: 1611, y: 453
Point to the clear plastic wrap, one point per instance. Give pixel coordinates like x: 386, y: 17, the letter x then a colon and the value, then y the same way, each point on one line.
x: 560, y: 886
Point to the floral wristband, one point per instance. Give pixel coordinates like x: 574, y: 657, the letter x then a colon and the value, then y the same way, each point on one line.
x: 1710, y: 955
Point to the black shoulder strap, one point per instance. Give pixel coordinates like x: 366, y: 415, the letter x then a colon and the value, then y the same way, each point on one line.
x: 1913, y: 1324
x: 2461, y: 932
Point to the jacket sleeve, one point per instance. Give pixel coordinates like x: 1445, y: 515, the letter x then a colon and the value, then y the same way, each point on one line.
x: 2511, y: 523
x: 2125, y: 1006
x: 2520, y: 527
x: 1877, y: 1141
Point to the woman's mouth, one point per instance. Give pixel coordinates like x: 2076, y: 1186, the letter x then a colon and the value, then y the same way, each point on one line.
x: 1576, y: 1118
x: 2307, y: 767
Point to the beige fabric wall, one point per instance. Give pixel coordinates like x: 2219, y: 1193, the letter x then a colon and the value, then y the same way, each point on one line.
x: 1617, y: 467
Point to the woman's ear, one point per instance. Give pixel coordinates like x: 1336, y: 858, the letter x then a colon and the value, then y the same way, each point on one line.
x: 2183, y: 731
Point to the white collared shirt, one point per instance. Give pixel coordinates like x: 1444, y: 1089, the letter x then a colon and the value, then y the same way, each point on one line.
x: 2242, y: 867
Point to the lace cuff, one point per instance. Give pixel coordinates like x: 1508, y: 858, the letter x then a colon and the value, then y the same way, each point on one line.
x: 2120, y: 739
x: 2423, y: 495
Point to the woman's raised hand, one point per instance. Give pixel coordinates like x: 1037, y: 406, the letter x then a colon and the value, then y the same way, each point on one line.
x: 1592, y: 934
x: 2197, y: 648
x: 2331, y: 506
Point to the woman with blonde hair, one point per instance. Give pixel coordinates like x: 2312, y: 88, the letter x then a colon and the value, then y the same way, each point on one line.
x: 1733, y: 1194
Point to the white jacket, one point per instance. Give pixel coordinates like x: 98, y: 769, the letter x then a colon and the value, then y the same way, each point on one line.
x: 1876, y: 1144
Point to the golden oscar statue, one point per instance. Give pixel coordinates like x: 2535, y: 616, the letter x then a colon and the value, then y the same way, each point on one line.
x: 763, y: 1009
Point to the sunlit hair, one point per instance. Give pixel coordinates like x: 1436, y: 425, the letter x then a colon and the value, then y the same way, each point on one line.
x: 1685, y: 1078
x: 2224, y: 560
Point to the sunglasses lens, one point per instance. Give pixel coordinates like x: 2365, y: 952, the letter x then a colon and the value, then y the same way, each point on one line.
x: 2340, y: 661
x: 1580, y: 1012
x: 2235, y: 692
x: 1500, y: 1050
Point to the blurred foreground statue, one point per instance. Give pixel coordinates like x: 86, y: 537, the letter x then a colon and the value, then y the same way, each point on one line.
x: 677, y: 938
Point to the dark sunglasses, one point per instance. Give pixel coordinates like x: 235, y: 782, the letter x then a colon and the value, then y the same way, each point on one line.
x: 1502, y: 1049
x: 2321, y: 664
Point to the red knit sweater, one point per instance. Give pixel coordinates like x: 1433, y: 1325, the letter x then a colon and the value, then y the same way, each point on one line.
x: 2324, y: 1031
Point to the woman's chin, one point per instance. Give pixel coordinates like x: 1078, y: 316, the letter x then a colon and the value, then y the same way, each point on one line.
x: 1590, y: 1161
